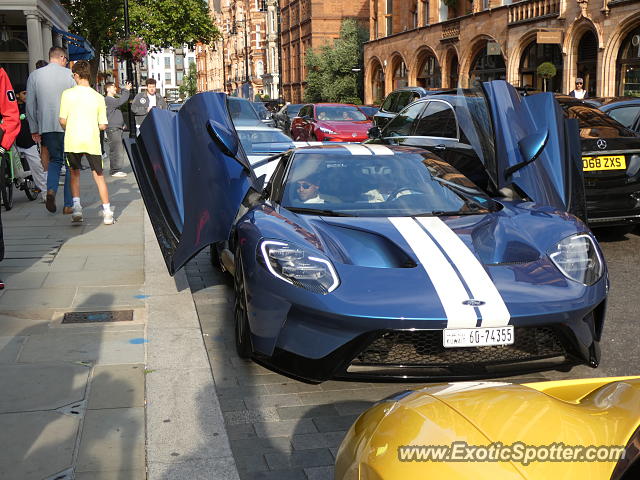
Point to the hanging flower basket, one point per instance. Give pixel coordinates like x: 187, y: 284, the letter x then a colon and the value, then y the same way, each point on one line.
x: 131, y: 48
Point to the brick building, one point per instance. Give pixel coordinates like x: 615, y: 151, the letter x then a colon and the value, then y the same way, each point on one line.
x: 424, y: 42
x: 239, y: 57
x: 308, y: 24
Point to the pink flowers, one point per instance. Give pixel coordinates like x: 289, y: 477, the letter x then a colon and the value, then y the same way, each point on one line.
x: 133, y: 48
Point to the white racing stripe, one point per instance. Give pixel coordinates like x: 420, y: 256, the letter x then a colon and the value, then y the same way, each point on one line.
x: 358, y: 149
x: 445, y: 280
x: 494, y: 312
x: 379, y: 149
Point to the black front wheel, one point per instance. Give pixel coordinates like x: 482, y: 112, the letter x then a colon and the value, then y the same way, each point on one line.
x: 6, y: 189
x: 30, y: 189
x: 241, y: 316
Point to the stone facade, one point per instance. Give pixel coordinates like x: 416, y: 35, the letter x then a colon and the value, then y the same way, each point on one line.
x: 439, y: 47
x: 309, y: 24
x: 26, y: 34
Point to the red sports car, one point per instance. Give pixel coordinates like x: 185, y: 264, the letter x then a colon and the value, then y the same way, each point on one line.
x: 330, y: 122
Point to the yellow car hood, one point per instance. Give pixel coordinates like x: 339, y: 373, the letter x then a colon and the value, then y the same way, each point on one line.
x: 576, y: 412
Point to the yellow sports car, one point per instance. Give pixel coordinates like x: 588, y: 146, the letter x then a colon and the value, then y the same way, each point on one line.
x: 572, y: 429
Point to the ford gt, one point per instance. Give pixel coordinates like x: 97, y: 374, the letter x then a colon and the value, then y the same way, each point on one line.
x: 386, y: 262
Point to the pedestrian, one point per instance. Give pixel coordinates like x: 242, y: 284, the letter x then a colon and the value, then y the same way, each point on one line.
x: 579, y: 92
x: 45, y: 86
x: 25, y: 143
x: 145, y: 101
x: 83, y: 113
x: 116, y: 127
x: 44, y: 153
x: 9, y: 129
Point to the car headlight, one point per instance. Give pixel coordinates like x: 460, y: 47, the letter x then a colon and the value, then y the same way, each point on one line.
x: 578, y: 259
x: 301, y: 268
x: 327, y: 130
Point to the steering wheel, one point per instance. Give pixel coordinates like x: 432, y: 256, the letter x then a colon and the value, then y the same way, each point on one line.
x: 396, y: 193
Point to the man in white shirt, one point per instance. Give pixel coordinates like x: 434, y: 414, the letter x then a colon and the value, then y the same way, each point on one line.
x: 145, y: 101
x: 579, y: 92
x: 308, y: 191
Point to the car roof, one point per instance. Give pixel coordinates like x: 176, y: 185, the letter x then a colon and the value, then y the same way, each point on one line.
x: 615, y: 102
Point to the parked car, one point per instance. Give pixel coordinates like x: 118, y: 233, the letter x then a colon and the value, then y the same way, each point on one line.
x: 242, y: 112
x: 374, y: 261
x: 331, y: 122
x: 396, y: 101
x: 625, y: 110
x: 285, y: 115
x: 532, y: 431
x: 611, y: 164
x: 265, y: 115
x: 260, y: 143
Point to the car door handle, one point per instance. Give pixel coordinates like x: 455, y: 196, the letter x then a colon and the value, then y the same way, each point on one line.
x: 440, y: 148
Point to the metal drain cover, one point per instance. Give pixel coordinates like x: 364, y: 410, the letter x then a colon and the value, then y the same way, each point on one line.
x: 98, y: 317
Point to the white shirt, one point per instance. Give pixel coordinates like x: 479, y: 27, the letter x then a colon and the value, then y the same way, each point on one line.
x: 579, y: 93
x: 152, y: 101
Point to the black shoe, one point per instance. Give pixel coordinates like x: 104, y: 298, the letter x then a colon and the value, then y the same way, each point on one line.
x: 51, y: 201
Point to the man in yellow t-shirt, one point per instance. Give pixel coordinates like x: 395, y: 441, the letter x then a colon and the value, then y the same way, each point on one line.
x: 83, y: 113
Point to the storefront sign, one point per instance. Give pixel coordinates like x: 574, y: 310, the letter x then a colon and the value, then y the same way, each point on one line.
x: 549, y: 37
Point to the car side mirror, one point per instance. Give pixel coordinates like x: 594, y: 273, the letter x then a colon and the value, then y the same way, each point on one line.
x: 374, y: 132
x: 530, y: 148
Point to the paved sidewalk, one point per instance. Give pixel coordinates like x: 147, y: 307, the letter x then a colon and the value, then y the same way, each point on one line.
x: 74, y: 395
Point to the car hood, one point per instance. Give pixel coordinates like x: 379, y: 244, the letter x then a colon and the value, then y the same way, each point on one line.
x: 425, y: 268
x: 576, y: 412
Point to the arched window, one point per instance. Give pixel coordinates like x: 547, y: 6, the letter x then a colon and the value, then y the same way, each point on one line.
x: 628, y: 71
x: 400, y: 74
x: 429, y: 75
x: 485, y: 67
x: 259, y: 68
x: 532, y: 56
x: 377, y: 84
x: 453, y: 71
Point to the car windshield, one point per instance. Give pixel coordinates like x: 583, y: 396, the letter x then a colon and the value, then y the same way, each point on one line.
x: 241, y: 109
x: 262, y: 139
x: 293, y: 109
x: 407, y: 183
x: 339, y: 113
x: 594, y: 123
x: 262, y: 111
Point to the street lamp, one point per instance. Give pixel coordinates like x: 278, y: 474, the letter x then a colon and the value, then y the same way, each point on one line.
x: 127, y: 32
x: 246, y: 52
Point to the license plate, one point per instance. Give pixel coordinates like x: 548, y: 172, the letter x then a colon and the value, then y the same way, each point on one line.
x: 611, y: 162
x: 477, y: 337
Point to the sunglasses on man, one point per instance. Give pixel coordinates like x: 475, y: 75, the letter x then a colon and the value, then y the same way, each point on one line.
x: 305, y: 186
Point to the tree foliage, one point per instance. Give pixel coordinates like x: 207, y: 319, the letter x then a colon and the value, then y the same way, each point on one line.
x: 330, y: 77
x: 171, y: 23
x: 189, y: 85
x: 160, y: 23
x: 546, y: 70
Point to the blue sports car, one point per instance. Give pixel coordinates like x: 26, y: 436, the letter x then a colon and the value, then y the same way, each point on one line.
x: 385, y: 262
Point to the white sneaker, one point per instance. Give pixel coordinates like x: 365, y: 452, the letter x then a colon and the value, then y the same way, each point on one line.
x: 107, y: 217
x: 119, y: 174
x: 76, y: 215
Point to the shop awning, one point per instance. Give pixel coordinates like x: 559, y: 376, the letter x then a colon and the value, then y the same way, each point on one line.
x: 78, y: 47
